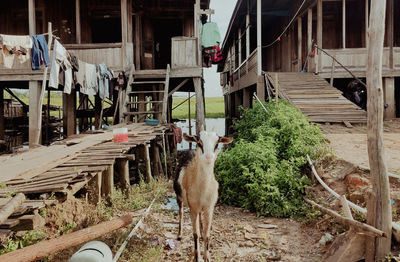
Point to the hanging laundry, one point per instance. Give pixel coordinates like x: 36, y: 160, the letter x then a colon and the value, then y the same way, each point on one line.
x: 80, y: 75
x: 210, y: 35
x: 103, y: 76
x: 40, y: 52
x: 111, y: 83
x: 90, y: 85
x: 12, y: 46
x: 61, y: 60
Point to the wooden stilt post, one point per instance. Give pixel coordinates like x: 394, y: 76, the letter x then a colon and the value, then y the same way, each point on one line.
x: 156, y: 158
x: 200, y: 117
x: 390, y: 111
x: 107, y: 187
x: 97, y: 109
x: 190, y: 120
x: 148, y: 165
x: 379, y: 212
x: 69, y: 113
x: 95, y: 184
x: 34, y: 125
x: 246, y: 98
x: 123, y: 173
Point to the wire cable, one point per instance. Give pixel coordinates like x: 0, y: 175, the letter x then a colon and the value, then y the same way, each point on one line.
x: 287, y: 27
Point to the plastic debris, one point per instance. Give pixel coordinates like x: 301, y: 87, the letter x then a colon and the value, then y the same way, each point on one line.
x: 172, y: 204
x: 325, y: 239
x: 172, y: 244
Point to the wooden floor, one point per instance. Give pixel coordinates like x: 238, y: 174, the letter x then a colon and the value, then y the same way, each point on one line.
x: 316, y: 98
x: 69, y: 167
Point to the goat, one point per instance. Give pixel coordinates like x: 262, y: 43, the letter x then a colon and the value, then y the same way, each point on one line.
x: 195, y: 186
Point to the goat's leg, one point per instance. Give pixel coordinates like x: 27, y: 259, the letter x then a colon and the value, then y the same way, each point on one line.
x: 180, y: 205
x: 196, y: 234
x: 201, y: 225
x: 208, y: 215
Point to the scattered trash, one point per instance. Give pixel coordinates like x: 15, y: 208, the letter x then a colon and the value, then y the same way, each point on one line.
x: 169, y: 235
x: 268, y: 226
x: 156, y: 241
x: 325, y: 239
x: 172, y: 204
x: 146, y: 229
x: 172, y: 244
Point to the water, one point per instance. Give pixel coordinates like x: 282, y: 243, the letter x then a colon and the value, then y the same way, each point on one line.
x: 218, y: 123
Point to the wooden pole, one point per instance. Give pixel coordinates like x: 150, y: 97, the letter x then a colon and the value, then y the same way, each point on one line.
x: 259, y: 38
x: 332, y: 71
x: 32, y: 17
x: 148, y: 165
x: 36, y: 138
x: 78, y: 21
x: 299, y: 44
x: 11, y: 206
x: 319, y: 34
x: 47, y: 247
x: 276, y: 88
x: 200, y: 117
x: 123, y: 173
x: 343, y: 23
x: 379, y: 212
x: 309, y: 37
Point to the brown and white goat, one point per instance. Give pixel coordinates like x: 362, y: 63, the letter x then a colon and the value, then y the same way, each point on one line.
x: 195, y: 186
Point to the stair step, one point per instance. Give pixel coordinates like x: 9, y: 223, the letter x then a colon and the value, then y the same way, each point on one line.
x: 144, y: 102
x: 142, y: 112
x: 146, y: 92
x: 148, y: 82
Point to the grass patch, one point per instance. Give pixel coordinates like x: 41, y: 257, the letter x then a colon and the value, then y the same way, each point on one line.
x: 262, y: 170
x: 215, y: 107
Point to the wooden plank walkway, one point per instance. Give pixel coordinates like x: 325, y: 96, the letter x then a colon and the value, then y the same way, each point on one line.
x: 316, y: 98
x: 75, y: 170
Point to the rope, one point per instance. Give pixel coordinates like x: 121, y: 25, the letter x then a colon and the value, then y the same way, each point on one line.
x: 345, y: 68
x: 287, y: 27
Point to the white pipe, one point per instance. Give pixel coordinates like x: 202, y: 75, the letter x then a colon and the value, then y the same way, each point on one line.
x: 118, y: 254
x: 259, y: 38
x: 395, y: 226
x: 389, y: 174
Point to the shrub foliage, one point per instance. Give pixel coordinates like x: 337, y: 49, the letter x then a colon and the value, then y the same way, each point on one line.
x: 262, y: 170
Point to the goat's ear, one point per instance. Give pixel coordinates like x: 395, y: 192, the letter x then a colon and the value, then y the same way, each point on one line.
x: 188, y: 138
x: 225, y: 140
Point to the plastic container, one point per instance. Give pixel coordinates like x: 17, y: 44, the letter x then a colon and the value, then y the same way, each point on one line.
x: 120, y: 135
x: 152, y: 122
x: 94, y: 251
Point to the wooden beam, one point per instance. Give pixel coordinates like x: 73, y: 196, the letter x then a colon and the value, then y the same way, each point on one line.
x: 319, y: 34
x: 178, y: 87
x: 309, y: 37
x: 149, y: 176
x: 259, y: 38
x: 47, y: 247
x: 390, y: 111
x: 11, y: 206
x: 200, y: 117
x: 379, y: 212
x: 32, y: 17
x: 299, y: 44
x: 34, y: 125
x: 343, y: 24
x: 78, y: 21
x: 366, y: 22
x: 360, y: 227
x: 239, y: 46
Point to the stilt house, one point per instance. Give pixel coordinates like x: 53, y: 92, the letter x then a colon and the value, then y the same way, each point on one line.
x: 156, y: 43
x: 306, y: 50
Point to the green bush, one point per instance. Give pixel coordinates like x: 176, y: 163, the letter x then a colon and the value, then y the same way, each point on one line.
x: 262, y: 170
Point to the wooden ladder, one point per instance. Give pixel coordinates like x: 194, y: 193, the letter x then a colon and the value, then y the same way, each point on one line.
x: 146, y: 97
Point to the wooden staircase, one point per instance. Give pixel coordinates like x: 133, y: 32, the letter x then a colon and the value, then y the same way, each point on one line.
x: 315, y: 98
x: 146, y: 95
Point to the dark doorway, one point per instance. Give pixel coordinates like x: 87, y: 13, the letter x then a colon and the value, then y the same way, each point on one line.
x: 106, y: 30
x: 164, y: 30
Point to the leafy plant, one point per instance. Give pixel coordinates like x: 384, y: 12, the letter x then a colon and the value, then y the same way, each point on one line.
x: 262, y: 170
x: 14, y: 243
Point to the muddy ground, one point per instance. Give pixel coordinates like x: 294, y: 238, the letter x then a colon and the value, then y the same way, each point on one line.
x: 237, y: 235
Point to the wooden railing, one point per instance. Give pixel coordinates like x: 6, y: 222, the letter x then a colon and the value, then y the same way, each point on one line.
x: 247, y: 66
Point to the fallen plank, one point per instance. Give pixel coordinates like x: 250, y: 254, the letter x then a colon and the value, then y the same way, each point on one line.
x: 45, y: 248
x: 11, y: 207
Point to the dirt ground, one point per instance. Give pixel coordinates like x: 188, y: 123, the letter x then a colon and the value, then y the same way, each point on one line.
x: 351, y: 143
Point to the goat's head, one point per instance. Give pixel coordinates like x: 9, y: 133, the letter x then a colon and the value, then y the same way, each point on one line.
x: 207, y: 144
